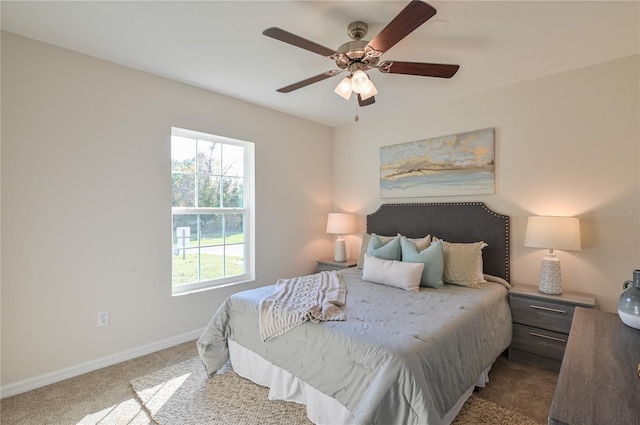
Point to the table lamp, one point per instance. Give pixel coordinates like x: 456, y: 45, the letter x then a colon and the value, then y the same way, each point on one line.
x: 340, y: 224
x: 552, y: 233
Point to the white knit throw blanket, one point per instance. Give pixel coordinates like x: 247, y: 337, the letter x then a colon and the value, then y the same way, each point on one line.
x: 316, y: 297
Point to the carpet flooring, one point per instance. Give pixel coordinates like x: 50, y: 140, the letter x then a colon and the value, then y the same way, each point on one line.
x: 107, y: 397
x: 182, y: 394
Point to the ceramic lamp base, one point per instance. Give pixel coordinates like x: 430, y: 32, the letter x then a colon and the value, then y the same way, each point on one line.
x: 550, y: 277
x: 341, y: 251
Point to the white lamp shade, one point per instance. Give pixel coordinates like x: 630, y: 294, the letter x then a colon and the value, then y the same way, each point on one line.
x: 553, y: 233
x: 344, y: 88
x: 341, y: 223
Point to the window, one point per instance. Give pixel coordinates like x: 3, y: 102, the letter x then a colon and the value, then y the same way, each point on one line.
x: 211, y: 208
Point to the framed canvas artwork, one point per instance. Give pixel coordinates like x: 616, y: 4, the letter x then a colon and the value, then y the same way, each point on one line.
x: 458, y: 164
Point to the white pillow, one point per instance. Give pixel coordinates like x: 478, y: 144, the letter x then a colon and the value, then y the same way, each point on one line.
x: 392, y: 273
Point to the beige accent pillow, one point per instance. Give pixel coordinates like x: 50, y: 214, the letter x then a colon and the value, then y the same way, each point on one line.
x: 420, y: 243
x: 365, y: 244
x: 461, y: 263
x: 393, y: 273
x: 496, y: 279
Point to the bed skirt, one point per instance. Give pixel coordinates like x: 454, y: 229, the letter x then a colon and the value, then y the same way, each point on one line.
x: 321, y: 409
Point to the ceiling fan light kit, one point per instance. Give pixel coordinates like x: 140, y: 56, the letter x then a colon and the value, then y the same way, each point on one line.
x: 369, y: 93
x: 344, y: 88
x: 359, y: 82
x: 358, y: 55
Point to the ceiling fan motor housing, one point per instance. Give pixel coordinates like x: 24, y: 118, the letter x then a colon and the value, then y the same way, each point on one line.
x: 358, y: 29
x: 352, y: 54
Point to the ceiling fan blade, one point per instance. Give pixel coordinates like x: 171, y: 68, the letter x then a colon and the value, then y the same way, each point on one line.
x: 295, y: 40
x: 419, y: 68
x: 366, y: 102
x: 411, y: 17
x: 308, y: 81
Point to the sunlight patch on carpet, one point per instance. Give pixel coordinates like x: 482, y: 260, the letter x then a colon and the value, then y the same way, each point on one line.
x: 128, y: 412
x: 156, y: 397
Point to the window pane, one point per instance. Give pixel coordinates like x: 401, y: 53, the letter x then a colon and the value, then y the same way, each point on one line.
x: 184, y: 266
x: 209, y: 157
x: 211, y: 229
x: 185, y: 231
x: 233, y: 192
x: 208, y: 191
x: 234, y: 228
x: 183, y: 154
x: 233, y: 160
x: 234, y: 260
x: 183, y: 192
x: 211, y: 263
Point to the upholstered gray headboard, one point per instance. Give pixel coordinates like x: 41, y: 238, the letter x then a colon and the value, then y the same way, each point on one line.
x: 453, y: 222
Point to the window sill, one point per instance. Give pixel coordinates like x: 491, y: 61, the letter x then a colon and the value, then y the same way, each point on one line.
x: 210, y: 288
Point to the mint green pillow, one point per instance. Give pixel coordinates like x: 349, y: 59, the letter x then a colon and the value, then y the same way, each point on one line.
x: 432, y: 257
x: 385, y: 251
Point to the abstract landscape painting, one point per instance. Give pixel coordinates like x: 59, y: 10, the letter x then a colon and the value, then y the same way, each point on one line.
x: 458, y: 164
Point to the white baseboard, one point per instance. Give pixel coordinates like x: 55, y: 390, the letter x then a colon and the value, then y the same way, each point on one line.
x: 70, y: 372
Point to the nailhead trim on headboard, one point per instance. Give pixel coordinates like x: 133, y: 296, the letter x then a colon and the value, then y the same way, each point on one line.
x: 451, y: 221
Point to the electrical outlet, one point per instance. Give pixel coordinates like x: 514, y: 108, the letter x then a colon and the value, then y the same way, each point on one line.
x: 103, y: 318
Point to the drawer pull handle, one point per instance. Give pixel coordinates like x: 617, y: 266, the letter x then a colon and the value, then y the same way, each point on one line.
x: 547, y: 337
x: 555, y: 310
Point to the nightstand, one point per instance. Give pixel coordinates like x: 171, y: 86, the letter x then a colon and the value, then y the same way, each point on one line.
x: 541, y: 324
x: 331, y: 264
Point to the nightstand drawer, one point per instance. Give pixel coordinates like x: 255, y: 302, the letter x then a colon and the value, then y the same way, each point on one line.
x: 539, y: 341
x: 541, y: 324
x: 555, y: 316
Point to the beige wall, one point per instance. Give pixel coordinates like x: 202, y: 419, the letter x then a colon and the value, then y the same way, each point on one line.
x: 567, y: 144
x: 86, y: 213
x: 85, y: 191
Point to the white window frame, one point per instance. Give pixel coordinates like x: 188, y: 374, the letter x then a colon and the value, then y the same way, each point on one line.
x: 247, y: 211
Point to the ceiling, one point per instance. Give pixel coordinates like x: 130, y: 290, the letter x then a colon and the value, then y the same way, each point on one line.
x: 219, y: 46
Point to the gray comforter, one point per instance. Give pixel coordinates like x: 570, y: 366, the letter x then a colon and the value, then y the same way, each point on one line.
x: 400, y: 357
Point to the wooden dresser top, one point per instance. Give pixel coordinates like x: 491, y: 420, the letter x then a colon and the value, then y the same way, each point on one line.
x: 598, y: 381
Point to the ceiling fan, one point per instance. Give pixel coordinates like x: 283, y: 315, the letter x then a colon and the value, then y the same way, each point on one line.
x: 358, y: 55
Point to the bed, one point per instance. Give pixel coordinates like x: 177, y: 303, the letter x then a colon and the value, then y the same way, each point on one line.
x: 400, y: 357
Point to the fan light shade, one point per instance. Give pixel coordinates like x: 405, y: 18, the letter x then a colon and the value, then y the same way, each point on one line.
x: 371, y: 91
x: 357, y: 82
x: 344, y: 88
x: 360, y: 81
x: 552, y: 233
x: 340, y: 223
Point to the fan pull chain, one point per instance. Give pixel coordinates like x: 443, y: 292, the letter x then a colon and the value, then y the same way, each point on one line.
x: 356, y: 118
